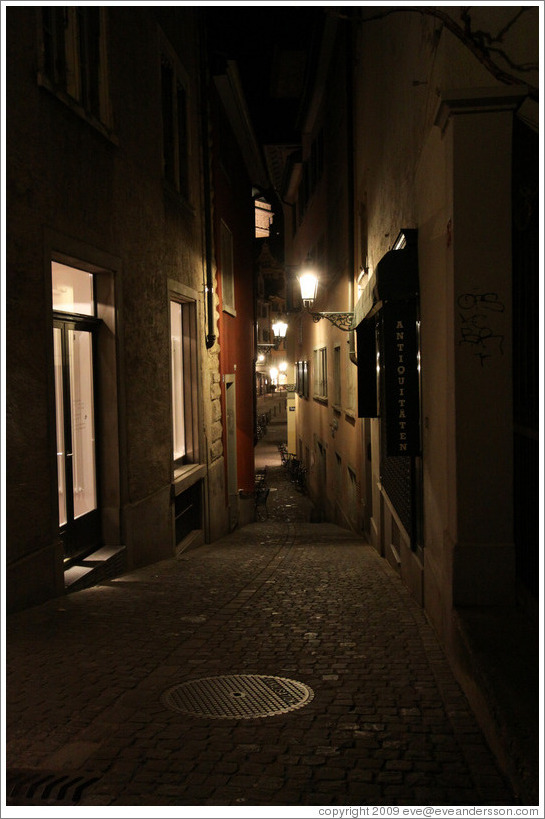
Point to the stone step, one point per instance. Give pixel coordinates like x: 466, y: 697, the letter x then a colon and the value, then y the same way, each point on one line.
x: 74, y: 574
x: 102, y: 554
x: 103, y: 564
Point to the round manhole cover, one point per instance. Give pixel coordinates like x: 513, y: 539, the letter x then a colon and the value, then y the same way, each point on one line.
x: 242, y: 696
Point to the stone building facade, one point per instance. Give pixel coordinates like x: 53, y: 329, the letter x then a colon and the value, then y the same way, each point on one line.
x: 114, y: 423
x: 415, y: 199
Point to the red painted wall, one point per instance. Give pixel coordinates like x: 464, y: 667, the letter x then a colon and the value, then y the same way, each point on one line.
x: 233, y: 204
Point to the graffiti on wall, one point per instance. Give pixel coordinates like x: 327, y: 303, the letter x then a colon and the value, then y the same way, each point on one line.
x: 478, y: 320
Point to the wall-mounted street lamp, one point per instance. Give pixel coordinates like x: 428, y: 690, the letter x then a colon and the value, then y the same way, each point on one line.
x: 279, y: 329
x: 308, y: 281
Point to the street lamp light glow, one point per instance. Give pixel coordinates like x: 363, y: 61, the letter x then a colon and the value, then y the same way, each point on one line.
x: 279, y: 328
x: 308, y: 282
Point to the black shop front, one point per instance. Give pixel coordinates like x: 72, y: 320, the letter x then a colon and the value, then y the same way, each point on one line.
x: 387, y: 322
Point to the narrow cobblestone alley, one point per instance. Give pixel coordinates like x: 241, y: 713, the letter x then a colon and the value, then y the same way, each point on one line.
x: 285, y: 599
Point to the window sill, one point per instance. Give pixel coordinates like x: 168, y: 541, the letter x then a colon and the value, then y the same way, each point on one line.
x: 180, y: 199
x: 185, y: 476
x: 321, y: 399
x: 350, y: 417
x: 74, y: 106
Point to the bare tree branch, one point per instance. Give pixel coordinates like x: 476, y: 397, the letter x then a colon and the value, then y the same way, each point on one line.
x: 516, y: 66
x: 507, y: 26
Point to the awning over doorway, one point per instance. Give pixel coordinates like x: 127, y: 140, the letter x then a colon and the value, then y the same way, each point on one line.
x: 394, y: 279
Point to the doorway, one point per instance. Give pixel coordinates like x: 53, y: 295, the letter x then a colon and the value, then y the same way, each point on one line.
x: 79, y: 524
x: 74, y: 327
x: 231, y: 418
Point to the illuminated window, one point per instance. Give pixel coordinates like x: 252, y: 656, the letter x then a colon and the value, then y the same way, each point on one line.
x: 263, y: 218
x: 337, y: 376
x: 184, y: 382
x: 320, y: 373
x: 74, y: 328
x: 72, y: 290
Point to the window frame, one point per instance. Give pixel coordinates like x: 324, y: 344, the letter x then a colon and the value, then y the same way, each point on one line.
x: 352, y: 494
x: 339, y: 474
x: 63, y: 68
x: 301, y: 378
x: 176, y: 162
x: 351, y: 382
x: 227, y: 269
x: 320, y: 374
x: 189, y: 378
x: 337, y: 378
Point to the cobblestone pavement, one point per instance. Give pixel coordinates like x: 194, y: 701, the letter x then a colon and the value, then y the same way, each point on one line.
x: 282, y: 597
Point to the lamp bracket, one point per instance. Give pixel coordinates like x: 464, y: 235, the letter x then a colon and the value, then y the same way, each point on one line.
x: 341, y: 320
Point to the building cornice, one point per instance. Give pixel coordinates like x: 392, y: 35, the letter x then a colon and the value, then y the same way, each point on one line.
x: 478, y: 101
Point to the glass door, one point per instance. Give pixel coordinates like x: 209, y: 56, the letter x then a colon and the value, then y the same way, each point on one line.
x: 75, y: 427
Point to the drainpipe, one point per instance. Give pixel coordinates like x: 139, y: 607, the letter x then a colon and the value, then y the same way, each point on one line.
x: 351, y: 169
x: 210, y: 336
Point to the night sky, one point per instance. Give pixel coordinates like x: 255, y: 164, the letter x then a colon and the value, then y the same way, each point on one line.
x: 272, y: 47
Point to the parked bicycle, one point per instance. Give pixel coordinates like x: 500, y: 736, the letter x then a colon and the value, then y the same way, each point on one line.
x: 297, y: 472
x: 261, y: 425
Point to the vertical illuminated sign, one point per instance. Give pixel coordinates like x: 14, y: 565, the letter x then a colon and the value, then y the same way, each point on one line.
x: 401, y: 379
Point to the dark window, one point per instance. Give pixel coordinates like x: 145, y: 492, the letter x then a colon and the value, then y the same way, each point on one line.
x: 53, y: 28
x: 89, y: 62
x: 301, y: 379
x: 188, y: 511
x: 175, y: 128
x: 183, y: 159
x: 167, y: 80
x: 71, y: 56
x: 313, y: 168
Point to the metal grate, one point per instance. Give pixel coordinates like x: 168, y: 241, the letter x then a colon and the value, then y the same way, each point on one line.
x: 242, y: 696
x: 33, y: 787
